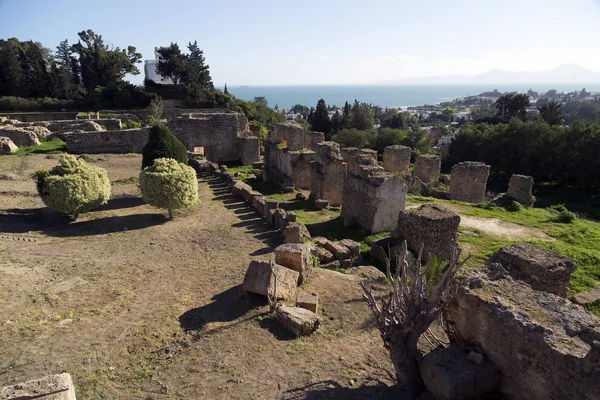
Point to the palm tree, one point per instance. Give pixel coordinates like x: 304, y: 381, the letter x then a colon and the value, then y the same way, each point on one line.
x: 552, y: 113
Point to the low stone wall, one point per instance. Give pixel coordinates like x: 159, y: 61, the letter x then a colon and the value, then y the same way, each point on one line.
x: 41, y: 116
x: 520, y: 188
x: 545, y: 347
x: 118, y: 142
x: 468, y: 181
x: 430, y: 225
x: 427, y: 168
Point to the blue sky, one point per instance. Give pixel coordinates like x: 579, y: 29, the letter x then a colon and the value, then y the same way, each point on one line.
x: 329, y: 41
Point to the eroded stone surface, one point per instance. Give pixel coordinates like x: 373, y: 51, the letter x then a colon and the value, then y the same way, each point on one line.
x: 468, y: 181
x: 520, y: 188
x: 260, y: 279
x: 295, y: 256
x: 298, y: 321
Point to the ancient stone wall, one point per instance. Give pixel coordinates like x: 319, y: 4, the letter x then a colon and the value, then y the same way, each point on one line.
x: 124, y: 141
x: 427, y: 168
x: 355, y: 157
x: 543, y: 269
x: 312, y: 139
x: 396, y: 158
x: 468, y: 181
x: 373, y: 198
x: 430, y: 225
x: 41, y: 116
x: 545, y: 347
x: 327, y: 174
x: 249, y: 149
x: 288, y: 135
x: 218, y: 133
x: 520, y: 188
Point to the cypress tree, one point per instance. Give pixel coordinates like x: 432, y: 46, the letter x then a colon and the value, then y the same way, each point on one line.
x: 163, y: 144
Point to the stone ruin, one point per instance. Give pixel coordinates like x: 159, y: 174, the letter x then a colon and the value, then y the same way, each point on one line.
x: 51, y: 387
x: 396, y: 158
x: 372, y: 197
x: 427, y: 168
x: 468, y: 181
x: 542, y: 269
x: 544, y: 346
x: 520, y: 189
x: 327, y: 174
x: 354, y: 157
x: 433, y: 226
x: 289, y: 149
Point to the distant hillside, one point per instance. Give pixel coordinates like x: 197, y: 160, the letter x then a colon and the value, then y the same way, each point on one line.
x: 566, y: 73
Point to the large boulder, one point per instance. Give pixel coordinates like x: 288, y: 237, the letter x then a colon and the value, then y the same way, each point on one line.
x: 295, y: 256
x: 261, y: 276
x: 7, y: 146
x: 40, y: 131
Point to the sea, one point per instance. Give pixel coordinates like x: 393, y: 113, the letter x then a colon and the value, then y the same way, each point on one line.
x: 285, y: 97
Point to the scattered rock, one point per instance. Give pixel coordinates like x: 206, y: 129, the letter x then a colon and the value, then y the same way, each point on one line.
x: 300, y: 196
x: 260, y: 279
x: 352, y: 245
x: 309, y: 301
x: 320, y: 240
x: 367, y: 272
x: 585, y: 298
x: 324, y: 255
x: 332, y: 265
x: 321, y: 204
x: 338, y: 249
x: 295, y: 256
x: 298, y: 321
x: 7, y: 146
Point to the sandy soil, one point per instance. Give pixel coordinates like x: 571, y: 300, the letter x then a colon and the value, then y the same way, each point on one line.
x: 137, y: 307
x: 497, y: 227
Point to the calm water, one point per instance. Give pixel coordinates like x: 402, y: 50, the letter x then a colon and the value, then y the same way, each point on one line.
x: 383, y: 95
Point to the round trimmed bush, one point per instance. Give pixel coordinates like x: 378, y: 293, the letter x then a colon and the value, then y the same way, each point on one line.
x: 169, y: 184
x: 163, y: 144
x: 73, y: 186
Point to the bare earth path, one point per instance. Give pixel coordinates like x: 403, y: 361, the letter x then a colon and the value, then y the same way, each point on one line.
x: 138, y: 307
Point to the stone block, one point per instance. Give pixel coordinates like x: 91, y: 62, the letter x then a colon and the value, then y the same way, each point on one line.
x: 468, y: 181
x: 353, y: 246
x: 335, y: 264
x: 249, y: 149
x: 52, y: 387
x: 7, y: 146
x: 295, y: 256
x: 427, y: 168
x: 278, y: 218
x: 260, y: 205
x: 291, y: 216
x: 308, y: 301
x: 586, y: 298
x: 367, y: 272
x: 431, y: 225
x: 260, y: 279
x: 449, y: 375
x: 321, y: 204
x: 298, y: 321
x: 270, y: 204
x: 291, y: 233
x: 324, y: 255
x: 396, y: 158
x: 543, y: 269
x: 338, y: 249
x: 545, y: 347
x: 520, y: 188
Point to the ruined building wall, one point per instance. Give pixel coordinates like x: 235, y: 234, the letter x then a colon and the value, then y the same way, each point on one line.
x: 520, y: 188
x: 396, y: 158
x: 218, y: 133
x: 327, y: 174
x: 468, y: 181
x: 546, y: 347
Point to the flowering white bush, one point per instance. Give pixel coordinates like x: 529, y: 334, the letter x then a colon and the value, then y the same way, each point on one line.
x: 73, y: 186
x: 169, y: 184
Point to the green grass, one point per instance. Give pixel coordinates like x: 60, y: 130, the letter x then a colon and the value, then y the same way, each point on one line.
x: 53, y: 146
x: 126, y: 181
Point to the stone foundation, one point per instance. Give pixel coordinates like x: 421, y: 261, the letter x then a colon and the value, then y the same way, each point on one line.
x: 430, y: 225
x: 545, y: 346
x: 427, y: 168
x: 468, y: 181
x: 327, y: 174
x: 118, y: 142
x: 396, y: 158
x: 520, y: 188
x: 543, y: 269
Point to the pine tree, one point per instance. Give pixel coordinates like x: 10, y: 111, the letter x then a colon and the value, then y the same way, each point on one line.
x: 320, y: 119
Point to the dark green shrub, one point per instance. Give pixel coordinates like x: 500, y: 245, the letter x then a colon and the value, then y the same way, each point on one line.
x: 565, y: 217
x: 513, y: 206
x: 559, y: 208
x: 163, y: 144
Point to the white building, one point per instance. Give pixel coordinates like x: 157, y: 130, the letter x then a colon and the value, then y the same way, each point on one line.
x: 150, y: 71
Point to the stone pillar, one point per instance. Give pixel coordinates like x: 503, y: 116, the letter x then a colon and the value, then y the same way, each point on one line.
x: 396, y: 158
x: 430, y: 225
x: 249, y: 150
x: 468, y: 181
x: 328, y: 173
x: 427, y: 168
x: 520, y: 188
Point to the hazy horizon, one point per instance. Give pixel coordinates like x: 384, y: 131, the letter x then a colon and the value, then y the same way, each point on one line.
x: 330, y: 43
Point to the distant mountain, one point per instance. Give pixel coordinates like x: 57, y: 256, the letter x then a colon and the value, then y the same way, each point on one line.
x: 565, y: 73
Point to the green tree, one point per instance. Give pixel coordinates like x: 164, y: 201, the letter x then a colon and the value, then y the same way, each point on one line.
x: 73, y: 186
x: 512, y: 105
x: 169, y: 184
x: 225, y: 91
x: 362, y: 116
x: 163, y: 144
x: 188, y: 69
x: 355, y: 138
x: 552, y: 113
x: 11, y: 74
x: 320, y: 119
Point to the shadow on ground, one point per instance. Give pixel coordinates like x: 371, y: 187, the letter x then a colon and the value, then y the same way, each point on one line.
x: 228, y: 306
x: 333, y: 390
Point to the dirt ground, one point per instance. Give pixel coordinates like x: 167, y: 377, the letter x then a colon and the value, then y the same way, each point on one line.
x: 134, y: 306
x: 504, y: 229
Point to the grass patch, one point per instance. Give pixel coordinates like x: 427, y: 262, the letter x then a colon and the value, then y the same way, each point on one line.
x: 126, y: 181
x: 52, y: 146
